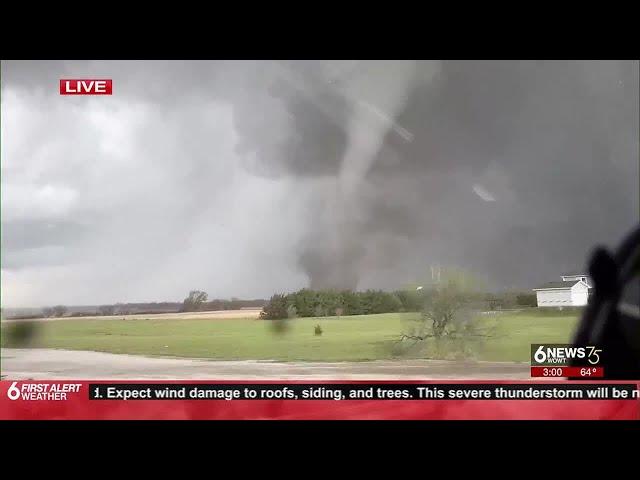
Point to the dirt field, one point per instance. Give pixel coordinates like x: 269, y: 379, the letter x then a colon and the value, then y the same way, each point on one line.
x: 209, y: 315
x: 19, y: 364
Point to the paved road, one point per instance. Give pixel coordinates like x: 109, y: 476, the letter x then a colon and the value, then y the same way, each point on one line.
x: 20, y: 364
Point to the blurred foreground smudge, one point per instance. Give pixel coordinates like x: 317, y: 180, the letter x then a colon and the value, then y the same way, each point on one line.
x: 279, y: 327
x: 20, y: 334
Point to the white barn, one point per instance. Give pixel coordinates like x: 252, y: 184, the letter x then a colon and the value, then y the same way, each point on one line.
x: 572, y: 291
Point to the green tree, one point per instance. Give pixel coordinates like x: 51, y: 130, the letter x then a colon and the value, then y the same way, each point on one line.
x: 410, y: 299
x: 526, y: 300
x: 351, y: 303
x: 328, y: 301
x: 276, y: 308
x: 305, y: 302
x: 389, y: 302
x: 366, y: 302
x: 377, y: 301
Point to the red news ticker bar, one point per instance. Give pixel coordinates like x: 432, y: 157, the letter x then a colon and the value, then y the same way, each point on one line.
x: 79, y: 406
x: 583, y: 372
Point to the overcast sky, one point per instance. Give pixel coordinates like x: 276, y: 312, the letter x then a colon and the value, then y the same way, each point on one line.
x: 247, y: 178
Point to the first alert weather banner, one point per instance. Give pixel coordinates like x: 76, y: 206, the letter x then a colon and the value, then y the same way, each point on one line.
x: 297, y: 400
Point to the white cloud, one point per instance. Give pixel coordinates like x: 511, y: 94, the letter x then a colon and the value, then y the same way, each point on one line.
x: 37, y: 201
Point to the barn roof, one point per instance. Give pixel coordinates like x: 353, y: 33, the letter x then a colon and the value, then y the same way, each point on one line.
x: 557, y: 285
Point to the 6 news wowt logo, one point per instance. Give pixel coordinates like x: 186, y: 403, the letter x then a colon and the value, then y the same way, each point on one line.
x: 563, y: 360
x: 77, y: 86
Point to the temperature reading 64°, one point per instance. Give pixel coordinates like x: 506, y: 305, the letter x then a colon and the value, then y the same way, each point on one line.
x: 589, y: 371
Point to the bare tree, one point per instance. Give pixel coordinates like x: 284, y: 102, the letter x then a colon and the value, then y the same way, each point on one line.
x: 194, y: 301
x: 107, y: 310
x: 449, y: 315
x: 59, y: 310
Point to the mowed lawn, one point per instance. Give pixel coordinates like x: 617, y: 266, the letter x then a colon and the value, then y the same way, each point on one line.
x: 357, y: 338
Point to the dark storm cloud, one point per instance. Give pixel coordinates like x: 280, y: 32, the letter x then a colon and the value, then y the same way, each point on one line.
x: 18, y: 235
x: 558, y: 139
x: 244, y: 177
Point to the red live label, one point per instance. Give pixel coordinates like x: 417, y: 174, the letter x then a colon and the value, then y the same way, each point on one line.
x: 585, y: 372
x: 85, y: 87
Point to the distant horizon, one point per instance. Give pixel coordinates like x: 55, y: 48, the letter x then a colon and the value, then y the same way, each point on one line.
x: 265, y: 299
x: 97, y: 305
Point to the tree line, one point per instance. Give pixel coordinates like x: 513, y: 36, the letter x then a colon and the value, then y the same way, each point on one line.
x: 303, y: 303
x: 196, y: 301
x: 322, y: 303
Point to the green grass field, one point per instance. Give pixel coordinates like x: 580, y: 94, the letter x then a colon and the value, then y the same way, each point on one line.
x: 357, y: 338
